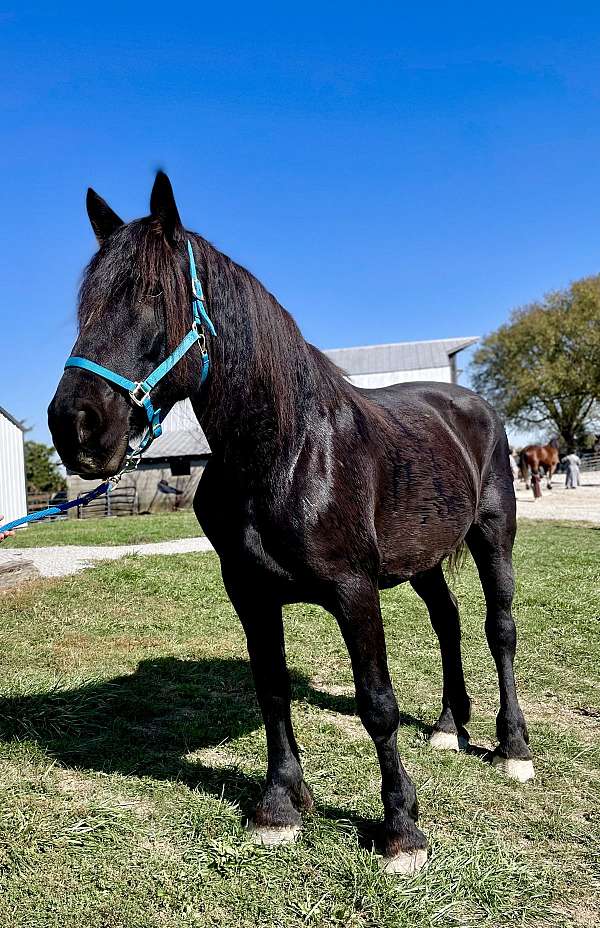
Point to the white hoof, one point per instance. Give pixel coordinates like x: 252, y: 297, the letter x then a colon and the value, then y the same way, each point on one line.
x: 443, y: 741
x: 270, y: 836
x: 406, y: 862
x: 521, y: 770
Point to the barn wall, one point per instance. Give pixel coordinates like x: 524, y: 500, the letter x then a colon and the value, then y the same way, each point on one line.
x: 145, y: 479
x: 13, y: 495
x: 181, y: 417
x: 439, y: 374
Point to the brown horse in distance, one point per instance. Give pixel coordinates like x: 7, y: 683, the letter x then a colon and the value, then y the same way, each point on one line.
x: 534, y: 457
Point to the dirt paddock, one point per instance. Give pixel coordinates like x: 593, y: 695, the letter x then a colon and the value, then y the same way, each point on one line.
x: 580, y: 505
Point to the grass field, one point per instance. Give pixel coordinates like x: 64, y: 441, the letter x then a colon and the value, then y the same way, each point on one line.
x: 132, y: 749
x: 121, y: 530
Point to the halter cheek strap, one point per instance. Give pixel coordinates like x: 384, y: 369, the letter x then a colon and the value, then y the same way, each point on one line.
x: 139, y: 391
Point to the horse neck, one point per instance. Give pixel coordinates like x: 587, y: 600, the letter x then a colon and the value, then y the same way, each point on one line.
x: 263, y: 381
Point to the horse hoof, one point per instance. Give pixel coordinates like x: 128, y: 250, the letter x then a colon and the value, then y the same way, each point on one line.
x: 271, y: 836
x: 443, y: 741
x: 521, y: 770
x: 406, y: 863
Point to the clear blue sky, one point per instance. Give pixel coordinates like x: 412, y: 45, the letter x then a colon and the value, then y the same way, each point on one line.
x: 391, y: 171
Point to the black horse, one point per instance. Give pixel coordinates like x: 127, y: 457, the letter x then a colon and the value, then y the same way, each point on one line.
x: 316, y: 491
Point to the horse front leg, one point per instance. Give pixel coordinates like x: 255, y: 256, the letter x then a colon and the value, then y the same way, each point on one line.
x: 277, y: 818
x: 358, y: 613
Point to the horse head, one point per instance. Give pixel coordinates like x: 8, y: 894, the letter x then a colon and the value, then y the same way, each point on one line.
x: 131, y: 314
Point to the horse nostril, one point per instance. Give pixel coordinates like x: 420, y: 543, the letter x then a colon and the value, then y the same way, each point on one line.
x: 87, y: 421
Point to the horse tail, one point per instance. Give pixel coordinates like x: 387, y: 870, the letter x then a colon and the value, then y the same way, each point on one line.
x: 523, y: 464
x: 456, y: 560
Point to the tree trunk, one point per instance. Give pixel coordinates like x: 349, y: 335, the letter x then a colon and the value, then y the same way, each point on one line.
x: 568, y: 432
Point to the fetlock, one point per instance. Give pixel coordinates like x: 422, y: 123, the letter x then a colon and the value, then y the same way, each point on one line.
x: 401, y: 835
x: 461, y: 710
x: 446, y: 722
x: 513, y: 738
x: 276, y: 809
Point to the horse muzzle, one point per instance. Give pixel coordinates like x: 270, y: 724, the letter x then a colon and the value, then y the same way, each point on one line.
x: 90, y: 428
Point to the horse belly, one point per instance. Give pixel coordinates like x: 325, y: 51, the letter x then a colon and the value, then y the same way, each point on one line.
x: 425, y: 529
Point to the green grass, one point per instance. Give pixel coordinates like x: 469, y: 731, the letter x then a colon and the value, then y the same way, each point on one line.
x: 132, y: 749
x: 121, y: 530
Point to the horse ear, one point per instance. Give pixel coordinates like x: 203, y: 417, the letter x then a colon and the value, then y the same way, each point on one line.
x: 163, y: 207
x: 103, y: 219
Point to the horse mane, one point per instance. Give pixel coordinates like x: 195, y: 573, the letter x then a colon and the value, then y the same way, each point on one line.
x: 262, y: 357
x: 259, y: 355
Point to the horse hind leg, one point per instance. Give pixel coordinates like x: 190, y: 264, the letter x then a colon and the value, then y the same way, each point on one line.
x: 449, y: 730
x: 490, y: 541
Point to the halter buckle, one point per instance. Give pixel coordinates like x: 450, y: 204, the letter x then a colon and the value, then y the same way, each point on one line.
x: 138, y: 398
x: 198, y: 328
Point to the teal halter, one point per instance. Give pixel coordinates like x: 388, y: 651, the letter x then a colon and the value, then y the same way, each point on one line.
x: 139, y: 392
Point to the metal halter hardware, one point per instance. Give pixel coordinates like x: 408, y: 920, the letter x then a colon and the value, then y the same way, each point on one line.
x: 138, y: 400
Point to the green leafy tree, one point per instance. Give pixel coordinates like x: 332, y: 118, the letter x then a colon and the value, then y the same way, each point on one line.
x: 43, y: 475
x: 542, y: 368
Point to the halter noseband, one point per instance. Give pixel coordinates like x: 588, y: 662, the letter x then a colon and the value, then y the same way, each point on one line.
x: 139, y: 392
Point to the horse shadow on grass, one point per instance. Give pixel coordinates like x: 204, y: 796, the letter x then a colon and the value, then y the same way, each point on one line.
x: 148, y: 723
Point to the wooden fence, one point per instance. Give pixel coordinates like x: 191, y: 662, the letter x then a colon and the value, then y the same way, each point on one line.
x: 38, y: 501
x: 122, y: 501
x: 590, y: 462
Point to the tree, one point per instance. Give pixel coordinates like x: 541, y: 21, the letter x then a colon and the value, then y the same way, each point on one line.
x: 542, y: 368
x: 43, y: 475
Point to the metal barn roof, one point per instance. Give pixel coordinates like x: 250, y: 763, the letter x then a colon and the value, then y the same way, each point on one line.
x: 181, y: 443
x: 7, y: 415
x: 398, y: 356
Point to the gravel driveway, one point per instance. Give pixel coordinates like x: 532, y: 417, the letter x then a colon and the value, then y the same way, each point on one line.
x: 582, y: 504
x: 59, y: 561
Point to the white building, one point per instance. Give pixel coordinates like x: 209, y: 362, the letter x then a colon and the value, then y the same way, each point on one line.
x: 13, y: 493
x: 400, y: 362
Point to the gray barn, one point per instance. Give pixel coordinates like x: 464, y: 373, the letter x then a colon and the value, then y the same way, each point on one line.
x: 167, y: 477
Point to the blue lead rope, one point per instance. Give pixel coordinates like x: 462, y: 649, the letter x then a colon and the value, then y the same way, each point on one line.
x: 105, y: 487
x: 139, y: 394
